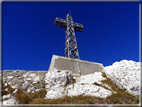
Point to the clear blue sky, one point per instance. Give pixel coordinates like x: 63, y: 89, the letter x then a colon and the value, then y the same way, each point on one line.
x: 30, y: 38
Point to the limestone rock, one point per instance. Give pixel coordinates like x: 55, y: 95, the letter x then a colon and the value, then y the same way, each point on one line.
x: 24, y: 79
x: 56, y: 81
x: 85, y: 86
x: 11, y: 100
x: 87, y: 89
x: 126, y: 75
x: 57, y: 85
x: 54, y: 77
x: 54, y: 92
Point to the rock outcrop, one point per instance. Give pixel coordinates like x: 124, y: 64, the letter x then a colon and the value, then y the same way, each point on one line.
x: 86, y: 86
x: 58, y: 83
x: 28, y: 81
x: 126, y: 75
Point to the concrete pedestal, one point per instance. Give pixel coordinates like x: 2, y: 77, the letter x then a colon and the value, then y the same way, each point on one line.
x: 74, y: 65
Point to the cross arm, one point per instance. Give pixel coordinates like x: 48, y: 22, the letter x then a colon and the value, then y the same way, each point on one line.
x: 63, y: 23
x: 60, y: 22
x: 78, y: 27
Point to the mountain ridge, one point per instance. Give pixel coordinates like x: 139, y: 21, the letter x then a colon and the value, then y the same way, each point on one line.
x: 58, y: 83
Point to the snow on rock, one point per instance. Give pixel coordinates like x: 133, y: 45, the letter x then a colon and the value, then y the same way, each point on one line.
x: 126, y: 75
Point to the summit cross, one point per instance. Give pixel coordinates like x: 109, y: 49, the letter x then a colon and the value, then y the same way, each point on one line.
x: 71, y: 48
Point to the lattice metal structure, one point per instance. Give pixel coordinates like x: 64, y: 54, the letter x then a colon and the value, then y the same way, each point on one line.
x: 71, y: 48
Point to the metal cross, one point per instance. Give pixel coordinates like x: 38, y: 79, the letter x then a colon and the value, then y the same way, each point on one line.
x: 71, y: 48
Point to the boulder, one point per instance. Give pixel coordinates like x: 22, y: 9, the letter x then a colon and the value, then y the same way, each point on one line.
x: 54, y: 77
x: 56, y: 81
x: 57, y: 84
x: 87, y: 89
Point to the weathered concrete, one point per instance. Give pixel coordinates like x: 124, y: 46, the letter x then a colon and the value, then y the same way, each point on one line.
x: 63, y: 63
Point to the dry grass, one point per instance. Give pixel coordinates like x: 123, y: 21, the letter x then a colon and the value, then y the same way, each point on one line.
x: 101, y: 85
x: 110, y: 83
x: 26, y: 98
x: 58, y: 71
x: 74, y: 81
x: 38, y: 98
x: 38, y: 101
x: 39, y: 94
x: 69, y: 100
x: 104, y: 75
x: 121, y: 96
x: 5, y: 99
x: 10, y: 89
x: 22, y: 97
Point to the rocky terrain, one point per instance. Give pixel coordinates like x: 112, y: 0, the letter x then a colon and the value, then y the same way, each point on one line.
x: 28, y: 81
x: 126, y: 75
x: 58, y: 83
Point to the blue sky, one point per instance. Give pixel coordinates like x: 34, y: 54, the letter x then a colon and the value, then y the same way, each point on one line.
x: 30, y: 38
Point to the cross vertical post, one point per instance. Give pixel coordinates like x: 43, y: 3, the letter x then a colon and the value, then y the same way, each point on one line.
x: 71, y: 48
